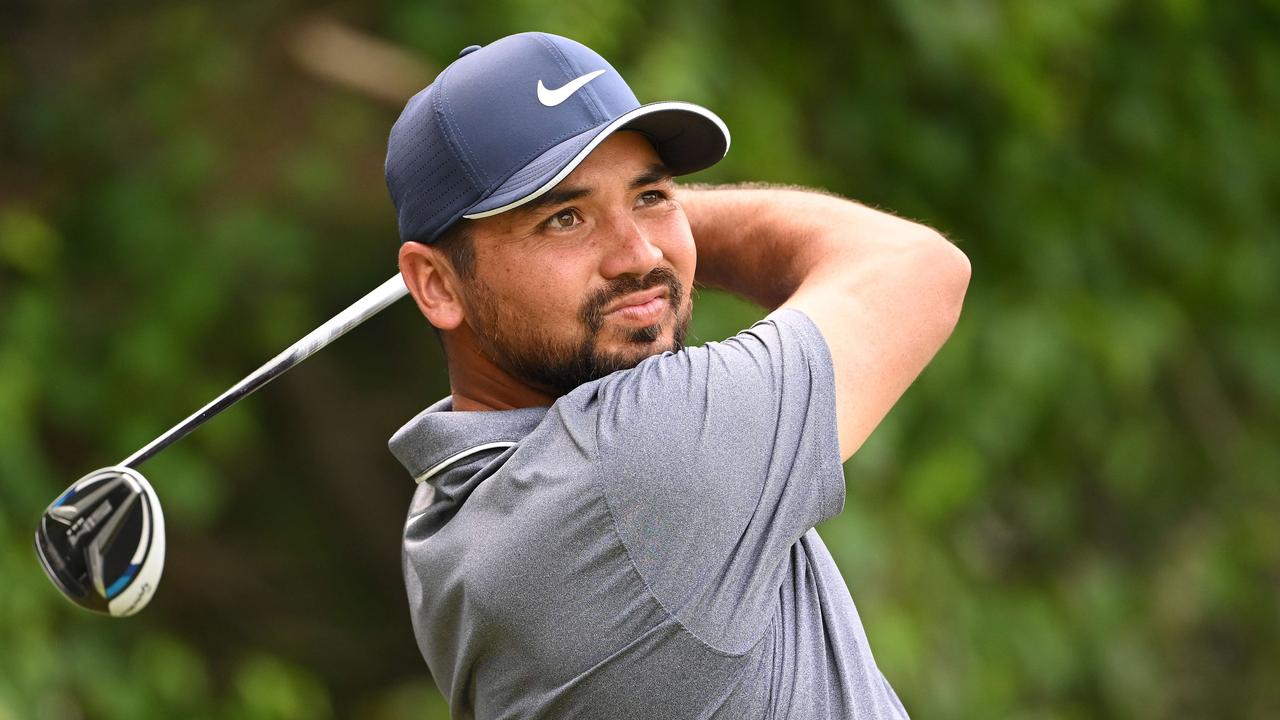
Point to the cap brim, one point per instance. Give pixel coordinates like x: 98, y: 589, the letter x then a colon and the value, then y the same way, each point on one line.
x: 687, y: 137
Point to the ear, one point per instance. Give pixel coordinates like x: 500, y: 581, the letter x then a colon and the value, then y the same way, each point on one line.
x: 432, y: 283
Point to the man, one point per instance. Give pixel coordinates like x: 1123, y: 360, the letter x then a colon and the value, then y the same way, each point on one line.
x: 610, y: 524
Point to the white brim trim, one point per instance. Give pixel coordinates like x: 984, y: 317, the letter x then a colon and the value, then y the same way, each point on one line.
x: 618, y: 122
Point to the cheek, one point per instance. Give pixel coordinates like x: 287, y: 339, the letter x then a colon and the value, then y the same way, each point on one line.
x: 679, y: 250
x: 534, y: 289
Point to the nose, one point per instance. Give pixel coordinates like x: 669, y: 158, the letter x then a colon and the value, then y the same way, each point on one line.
x: 631, y: 251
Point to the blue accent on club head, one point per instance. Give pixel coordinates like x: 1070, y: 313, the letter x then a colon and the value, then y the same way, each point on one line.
x: 122, y: 581
x: 63, y: 498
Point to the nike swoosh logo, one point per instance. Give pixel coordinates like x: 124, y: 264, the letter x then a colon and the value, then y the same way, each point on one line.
x: 552, y: 98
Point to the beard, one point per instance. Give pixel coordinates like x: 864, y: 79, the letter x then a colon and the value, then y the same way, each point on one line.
x: 558, y: 365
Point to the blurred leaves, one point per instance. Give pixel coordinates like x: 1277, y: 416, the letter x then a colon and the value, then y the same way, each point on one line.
x: 1072, y: 513
x: 27, y: 243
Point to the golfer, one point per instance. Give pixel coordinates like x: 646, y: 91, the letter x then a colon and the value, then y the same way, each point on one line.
x: 610, y: 524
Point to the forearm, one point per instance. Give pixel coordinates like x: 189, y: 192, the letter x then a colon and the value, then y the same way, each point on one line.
x: 763, y: 243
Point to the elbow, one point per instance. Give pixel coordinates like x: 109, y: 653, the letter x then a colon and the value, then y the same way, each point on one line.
x: 945, y: 271
x: 956, y: 272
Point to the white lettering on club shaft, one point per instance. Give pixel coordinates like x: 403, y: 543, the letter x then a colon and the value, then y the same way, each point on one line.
x: 552, y: 98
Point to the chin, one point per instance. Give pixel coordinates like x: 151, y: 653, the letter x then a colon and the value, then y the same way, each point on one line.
x: 636, y: 344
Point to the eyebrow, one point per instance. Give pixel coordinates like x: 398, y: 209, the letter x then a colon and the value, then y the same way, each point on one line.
x: 554, y: 197
x: 656, y: 172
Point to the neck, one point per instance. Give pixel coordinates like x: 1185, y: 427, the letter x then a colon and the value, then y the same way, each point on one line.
x: 478, y: 384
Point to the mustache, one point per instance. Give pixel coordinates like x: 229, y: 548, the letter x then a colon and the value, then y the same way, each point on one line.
x: 592, y: 313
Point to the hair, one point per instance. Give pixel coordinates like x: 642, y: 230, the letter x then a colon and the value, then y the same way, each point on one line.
x: 459, y: 247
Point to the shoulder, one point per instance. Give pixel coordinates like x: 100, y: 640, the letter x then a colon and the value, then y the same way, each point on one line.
x: 761, y: 357
x: 719, y: 398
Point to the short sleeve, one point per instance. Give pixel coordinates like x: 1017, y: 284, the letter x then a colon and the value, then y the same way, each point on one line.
x: 715, y: 461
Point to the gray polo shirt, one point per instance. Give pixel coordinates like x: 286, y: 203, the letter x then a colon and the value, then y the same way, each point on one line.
x: 643, y: 548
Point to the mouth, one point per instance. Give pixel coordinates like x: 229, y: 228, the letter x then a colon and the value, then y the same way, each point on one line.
x: 641, y: 308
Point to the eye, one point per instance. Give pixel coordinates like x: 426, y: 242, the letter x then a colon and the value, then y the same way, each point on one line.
x: 563, y: 220
x: 650, y: 197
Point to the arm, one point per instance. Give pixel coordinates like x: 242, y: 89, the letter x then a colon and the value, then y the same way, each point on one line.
x: 885, y: 292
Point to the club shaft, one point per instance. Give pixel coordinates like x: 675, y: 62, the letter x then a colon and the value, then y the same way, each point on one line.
x: 359, y: 311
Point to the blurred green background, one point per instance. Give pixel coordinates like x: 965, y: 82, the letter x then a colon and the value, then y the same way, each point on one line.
x: 1074, y: 513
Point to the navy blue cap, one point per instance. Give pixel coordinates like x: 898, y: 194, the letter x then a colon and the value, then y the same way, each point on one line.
x: 506, y: 122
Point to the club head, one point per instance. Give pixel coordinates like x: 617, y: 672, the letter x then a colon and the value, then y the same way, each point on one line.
x: 102, y: 541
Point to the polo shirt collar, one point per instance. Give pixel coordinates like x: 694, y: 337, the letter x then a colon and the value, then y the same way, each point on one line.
x: 440, y: 436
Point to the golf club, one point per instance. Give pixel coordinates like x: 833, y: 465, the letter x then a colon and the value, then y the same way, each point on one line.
x: 101, y: 542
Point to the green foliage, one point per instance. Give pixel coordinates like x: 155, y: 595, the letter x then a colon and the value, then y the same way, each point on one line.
x: 1071, y: 514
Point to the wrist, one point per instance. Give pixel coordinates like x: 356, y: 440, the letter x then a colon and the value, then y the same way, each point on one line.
x: 748, y: 240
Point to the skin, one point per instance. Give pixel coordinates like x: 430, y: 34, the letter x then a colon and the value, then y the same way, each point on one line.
x: 611, y: 242
x: 885, y: 292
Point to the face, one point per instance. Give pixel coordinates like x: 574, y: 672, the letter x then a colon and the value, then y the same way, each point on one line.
x: 592, y: 277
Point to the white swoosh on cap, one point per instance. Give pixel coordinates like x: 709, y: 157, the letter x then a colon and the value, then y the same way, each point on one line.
x: 552, y: 98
